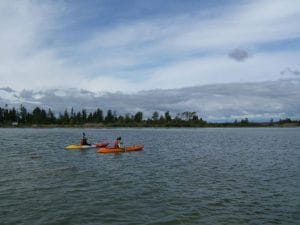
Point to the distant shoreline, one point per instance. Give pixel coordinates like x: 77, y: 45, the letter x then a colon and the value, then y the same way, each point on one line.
x: 209, y: 125
x: 40, y: 118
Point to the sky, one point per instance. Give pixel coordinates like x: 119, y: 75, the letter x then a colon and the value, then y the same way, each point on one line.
x: 131, y: 46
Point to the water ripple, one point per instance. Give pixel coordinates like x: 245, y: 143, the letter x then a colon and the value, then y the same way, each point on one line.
x: 183, y: 176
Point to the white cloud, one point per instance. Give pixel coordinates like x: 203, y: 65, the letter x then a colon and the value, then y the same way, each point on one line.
x: 174, y: 52
x: 221, y: 69
x: 288, y: 71
x: 254, y: 23
x: 108, y: 84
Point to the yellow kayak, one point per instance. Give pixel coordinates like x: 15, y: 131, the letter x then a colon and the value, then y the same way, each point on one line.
x: 80, y: 146
x: 86, y: 146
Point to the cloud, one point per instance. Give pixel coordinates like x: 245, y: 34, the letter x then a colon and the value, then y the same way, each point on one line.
x: 46, y: 45
x: 187, y: 49
x: 52, y: 57
x: 252, y: 23
x: 238, y: 54
x: 215, y: 102
x: 7, y: 89
x: 289, y: 71
x: 219, y: 69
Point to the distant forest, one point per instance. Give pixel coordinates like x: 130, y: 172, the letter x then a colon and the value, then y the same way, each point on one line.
x: 40, y: 117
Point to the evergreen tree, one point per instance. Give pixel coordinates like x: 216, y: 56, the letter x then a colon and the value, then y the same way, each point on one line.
x: 128, y: 118
x: 12, y: 115
x: 138, y: 117
x: 90, y: 118
x: 36, y: 115
x: 50, y: 117
x: 78, y: 118
x: 109, y: 116
x: 168, y: 118
x: 98, y: 116
x: 23, y: 115
x: 65, y: 118
x: 72, y: 116
x: 155, y: 116
x: 1, y: 115
x: 84, y: 115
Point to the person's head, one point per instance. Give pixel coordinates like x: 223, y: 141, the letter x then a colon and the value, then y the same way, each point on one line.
x: 119, y: 138
x: 83, y: 134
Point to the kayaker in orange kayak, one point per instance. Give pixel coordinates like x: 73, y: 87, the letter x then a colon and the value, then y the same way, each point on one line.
x: 118, y: 143
x: 83, y: 140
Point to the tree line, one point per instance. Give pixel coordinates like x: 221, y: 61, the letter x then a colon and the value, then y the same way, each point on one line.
x: 39, y: 116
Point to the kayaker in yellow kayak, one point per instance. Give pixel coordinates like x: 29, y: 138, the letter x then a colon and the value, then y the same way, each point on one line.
x: 118, y: 143
x: 83, y: 140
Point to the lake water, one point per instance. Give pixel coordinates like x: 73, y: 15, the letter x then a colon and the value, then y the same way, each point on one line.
x: 183, y: 176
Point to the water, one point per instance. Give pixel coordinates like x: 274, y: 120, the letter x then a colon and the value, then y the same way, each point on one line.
x: 183, y: 176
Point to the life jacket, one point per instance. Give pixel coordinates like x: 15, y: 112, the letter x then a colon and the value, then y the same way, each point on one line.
x: 83, y: 141
x: 116, y: 144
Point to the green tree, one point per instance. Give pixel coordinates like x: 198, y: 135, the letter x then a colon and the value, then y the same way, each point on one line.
x: 78, y: 118
x: 39, y: 116
x: 109, y: 116
x: 128, y: 118
x: 1, y: 115
x: 245, y: 121
x: 50, y: 117
x: 72, y: 116
x: 155, y: 116
x: 23, y: 114
x: 168, y: 117
x: 84, y: 115
x: 138, y: 117
x: 194, y: 116
x: 36, y: 115
x: 98, y: 116
x: 12, y: 115
x: 66, y: 117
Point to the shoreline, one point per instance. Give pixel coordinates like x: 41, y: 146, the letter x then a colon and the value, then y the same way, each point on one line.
x: 224, y: 125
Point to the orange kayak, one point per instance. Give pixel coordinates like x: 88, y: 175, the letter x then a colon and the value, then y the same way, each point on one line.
x: 118, y: 150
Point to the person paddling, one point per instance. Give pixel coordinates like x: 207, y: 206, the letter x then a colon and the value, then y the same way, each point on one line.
x: 83, y: 140
x: 118, y: 143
